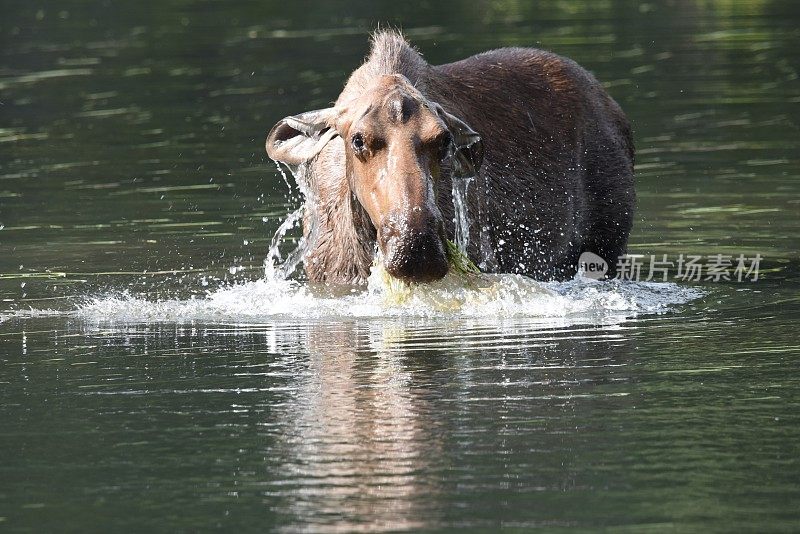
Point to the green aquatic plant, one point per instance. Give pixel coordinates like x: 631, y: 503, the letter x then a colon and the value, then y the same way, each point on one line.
x: 459, y: 261
x: 463, y: 286
x: 463, y: 275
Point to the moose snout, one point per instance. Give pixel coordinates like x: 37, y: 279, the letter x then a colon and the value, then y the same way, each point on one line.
x: 413, y: 246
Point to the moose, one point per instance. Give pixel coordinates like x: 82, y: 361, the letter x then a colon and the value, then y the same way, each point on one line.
x: 545, y: 153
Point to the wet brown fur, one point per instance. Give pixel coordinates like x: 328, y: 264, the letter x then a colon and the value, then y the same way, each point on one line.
x: 557, y: 173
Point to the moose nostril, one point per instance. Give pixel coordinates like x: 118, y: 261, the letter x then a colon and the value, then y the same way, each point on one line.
x: 421, y: 258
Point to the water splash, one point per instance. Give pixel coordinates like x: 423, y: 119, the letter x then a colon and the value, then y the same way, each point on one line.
x: 489, y: 298
x: 275, y: 266
x: 461, y: 212
x: 461, y: 179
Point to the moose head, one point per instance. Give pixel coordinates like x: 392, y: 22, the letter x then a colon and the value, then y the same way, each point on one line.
x: 397, y: 145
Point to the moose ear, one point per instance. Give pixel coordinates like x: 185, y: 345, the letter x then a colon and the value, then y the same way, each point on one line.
x: 295, y: 140
x: 468, y: 154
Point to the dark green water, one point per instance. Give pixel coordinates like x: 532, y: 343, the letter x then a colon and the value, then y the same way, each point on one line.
x: 132, y: 170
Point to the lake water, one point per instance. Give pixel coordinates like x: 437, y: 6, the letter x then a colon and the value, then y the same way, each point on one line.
x: 151, y: 378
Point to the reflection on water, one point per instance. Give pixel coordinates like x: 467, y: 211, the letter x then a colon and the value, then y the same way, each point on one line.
x: 394, y: 424
x: 397, y: 423
x: 359, y: 437
x: 151, y: 379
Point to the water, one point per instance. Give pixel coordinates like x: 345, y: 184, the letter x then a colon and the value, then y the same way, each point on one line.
x: 151, y: 377
x: 462, y: 217
x: 276, y: 267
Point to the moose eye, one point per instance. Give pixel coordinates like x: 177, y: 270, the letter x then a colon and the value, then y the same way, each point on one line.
x: 445, y: 146
x: 358, y: 142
